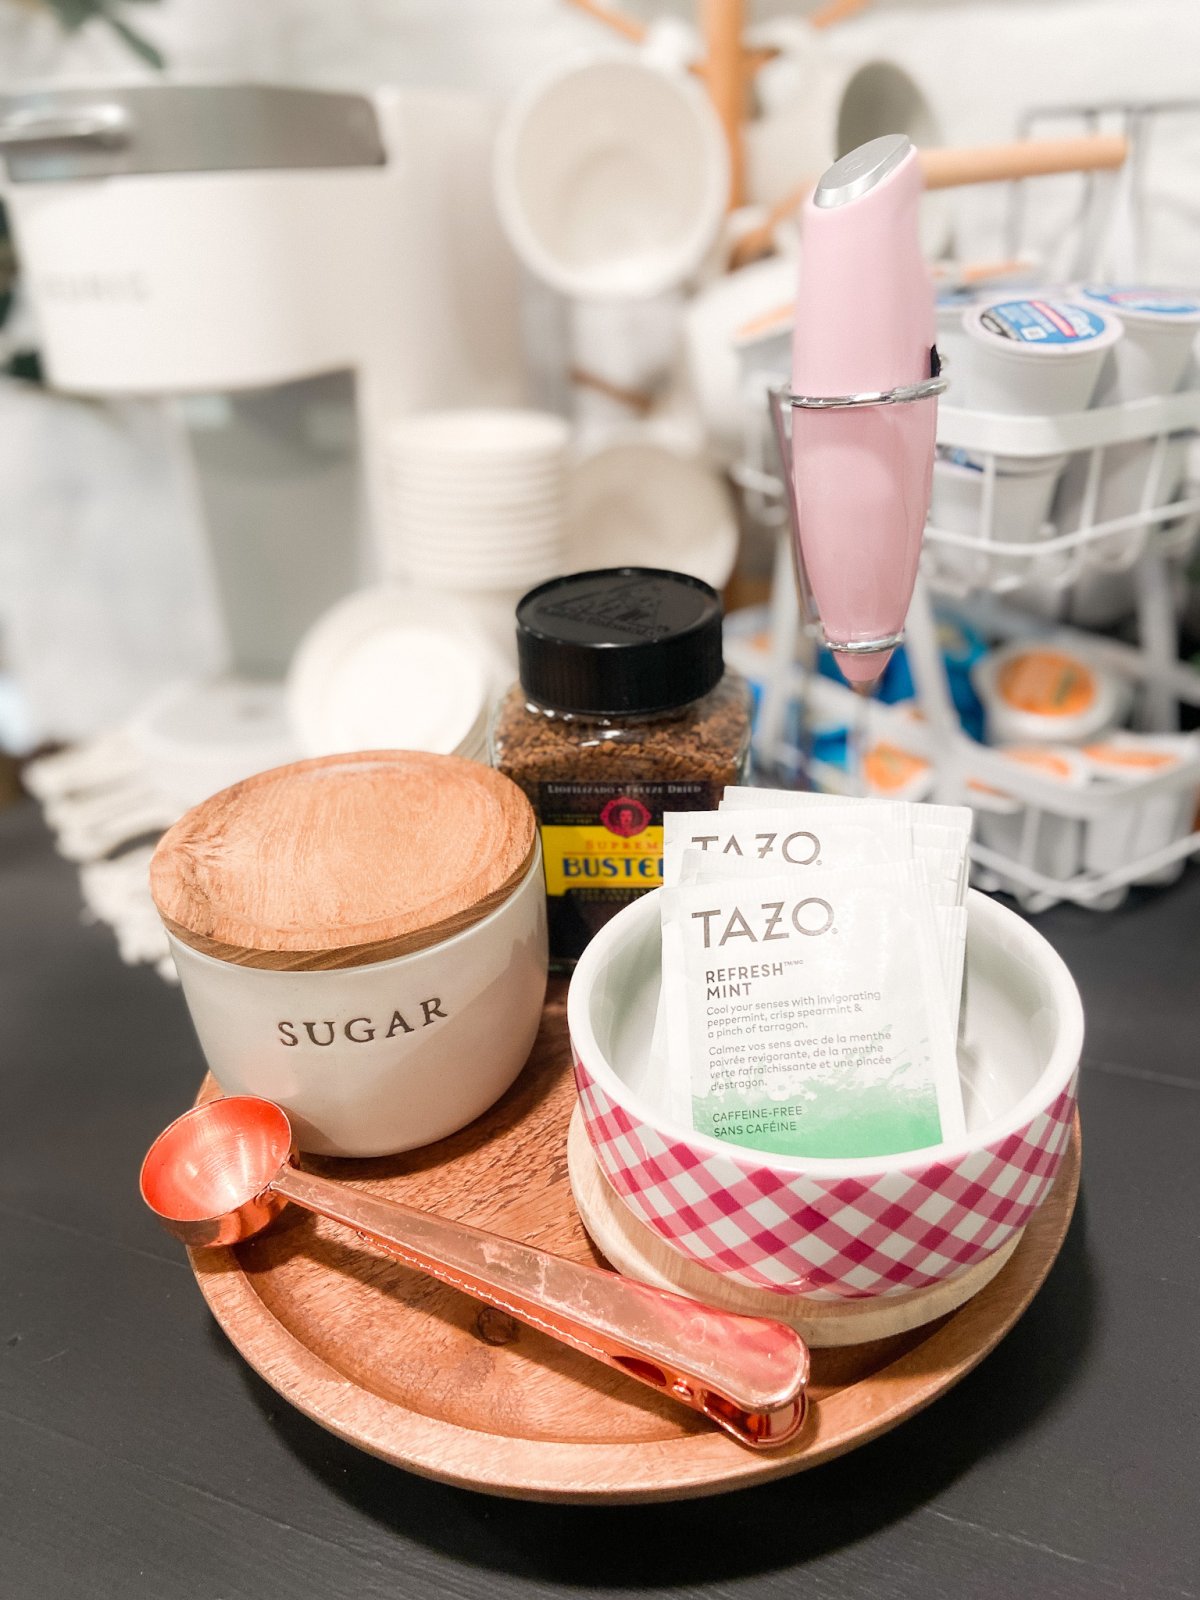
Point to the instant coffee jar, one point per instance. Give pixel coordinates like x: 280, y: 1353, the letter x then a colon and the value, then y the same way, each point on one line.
x: 623, y: 711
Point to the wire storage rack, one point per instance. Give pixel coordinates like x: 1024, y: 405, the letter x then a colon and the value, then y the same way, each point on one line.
x: 1035, y: 838
x: 1115, y: 480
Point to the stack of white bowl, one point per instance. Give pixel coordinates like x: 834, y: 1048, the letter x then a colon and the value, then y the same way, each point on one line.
x: 475, y: 499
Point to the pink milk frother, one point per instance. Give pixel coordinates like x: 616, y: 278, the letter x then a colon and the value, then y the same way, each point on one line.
x: 863, y: 406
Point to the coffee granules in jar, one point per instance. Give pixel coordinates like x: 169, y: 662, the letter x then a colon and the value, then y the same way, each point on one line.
x: 623, y: 711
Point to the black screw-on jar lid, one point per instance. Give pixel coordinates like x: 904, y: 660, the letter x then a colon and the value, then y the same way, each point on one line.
x: 624, y: 640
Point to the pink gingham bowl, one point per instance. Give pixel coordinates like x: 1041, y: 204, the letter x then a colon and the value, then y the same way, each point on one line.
x: 826, y: 1229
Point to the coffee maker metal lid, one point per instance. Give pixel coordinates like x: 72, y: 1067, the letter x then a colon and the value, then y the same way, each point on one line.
x: 56, y: 134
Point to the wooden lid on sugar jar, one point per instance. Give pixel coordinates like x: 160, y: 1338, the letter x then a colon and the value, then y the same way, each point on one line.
x: 343, y: 860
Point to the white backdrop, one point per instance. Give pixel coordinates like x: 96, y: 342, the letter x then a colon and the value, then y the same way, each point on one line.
x: 981, y: 62
x: 106, y: 557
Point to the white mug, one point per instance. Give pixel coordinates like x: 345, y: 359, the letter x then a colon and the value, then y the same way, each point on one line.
x: 816, y: 104
x: 612, y: 177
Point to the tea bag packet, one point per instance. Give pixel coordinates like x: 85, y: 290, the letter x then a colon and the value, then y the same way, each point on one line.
x: 838, y: 832
x: 782, y: 839
x: 952, y: 924
x: 770, y: 841
x: 806, y: 1010
x: 668, y: 1090
x: 932, y: 826
x: 920, y: 815
x: 941, y: 835
x: 742, y: 797
x: 950, y: 920
x: 949, y: 848
x: 942, y: 869
x: 946, y: 837
x: 775, y: 840
x: 953, y: 834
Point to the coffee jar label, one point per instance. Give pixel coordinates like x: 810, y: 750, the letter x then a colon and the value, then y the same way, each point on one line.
x: 602, y: 846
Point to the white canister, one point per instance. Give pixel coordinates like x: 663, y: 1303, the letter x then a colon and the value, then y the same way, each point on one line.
x: 1055, y: 844
x: 1139, y: 827
x: 1160, y: 333
x: 1046, y: 693
x: 1143, y: 470
x: 1151, y: 359
x: 1035, y: 355
x: 1022, y: 493
x: 362, y: 939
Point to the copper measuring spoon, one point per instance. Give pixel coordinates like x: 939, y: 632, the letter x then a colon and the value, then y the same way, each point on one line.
x: 223, y: 1171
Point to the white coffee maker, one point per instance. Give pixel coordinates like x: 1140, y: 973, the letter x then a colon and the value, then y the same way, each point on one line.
x: 290, y: 269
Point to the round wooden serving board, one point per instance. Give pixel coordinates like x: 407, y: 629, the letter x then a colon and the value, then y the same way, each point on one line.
x: 431, y: 1380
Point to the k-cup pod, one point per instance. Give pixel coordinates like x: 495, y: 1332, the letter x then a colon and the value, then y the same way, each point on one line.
x: 890, y: 772
x: 1096, y: 599
x: 1130, y: 474
x: 1022, y: 493
x: 1160, y: 332
x: 1151, y: 359
x: 1035, y: 693
x: 612, y: 178
x: 960, y: 286
x: 1140, y: 827
x: 1001, y: 821
x: 1035, y: 356
x: 362, y: 939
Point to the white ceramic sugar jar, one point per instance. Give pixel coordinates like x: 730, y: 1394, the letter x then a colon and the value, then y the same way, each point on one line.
x: 362, y: 939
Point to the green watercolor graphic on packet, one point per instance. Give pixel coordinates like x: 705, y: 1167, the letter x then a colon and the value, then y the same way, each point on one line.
x: 840, y: 1122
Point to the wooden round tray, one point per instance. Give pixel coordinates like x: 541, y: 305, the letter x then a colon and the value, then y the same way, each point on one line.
x: 430, y: 1380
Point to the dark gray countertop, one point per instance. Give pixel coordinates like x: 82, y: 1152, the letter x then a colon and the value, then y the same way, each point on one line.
x: 140, y: 1459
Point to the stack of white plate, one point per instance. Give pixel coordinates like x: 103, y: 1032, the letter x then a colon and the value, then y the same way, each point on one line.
x: 475, y: 498
x: 637, y: 503
x: 393, y: 669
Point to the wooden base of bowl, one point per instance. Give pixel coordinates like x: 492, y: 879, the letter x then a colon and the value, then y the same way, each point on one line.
x: 638, y: 1252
